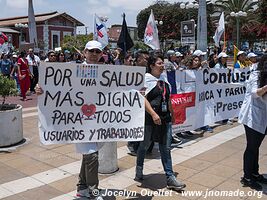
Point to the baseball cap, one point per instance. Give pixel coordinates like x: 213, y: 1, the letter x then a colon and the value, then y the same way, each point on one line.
x: 170, y: 52
x: 222, y: 55
x: 241, y: 52
x: 93, y: 45
x: 178, y: 54
x: 199, y: 53
x: 252, y: 55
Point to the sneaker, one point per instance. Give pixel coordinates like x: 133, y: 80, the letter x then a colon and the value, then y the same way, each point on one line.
x: 83, y: 193
x: 187, y: 134
x: 139, y: 173
x: 199, y: 131
x: 130, y: 147
x: 229, y: 122
x: 250, y: 183
x: 176, y: 140
x: 209, y: 129
x: 133, y: 153
x: 260, y: 178
x: 98, y: 198
x: 96, y: 194
x: 173, y: 183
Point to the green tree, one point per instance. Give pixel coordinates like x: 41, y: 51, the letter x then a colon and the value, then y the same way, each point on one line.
x: 78, y: 41
x: 263, y: 11
x: 140, y: 45
x: 170, y: 14
x: 244, y: 22
x: 262, y: 33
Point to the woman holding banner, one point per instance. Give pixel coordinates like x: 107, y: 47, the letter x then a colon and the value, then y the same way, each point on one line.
x: 157, y: 121
x: 253, y: 115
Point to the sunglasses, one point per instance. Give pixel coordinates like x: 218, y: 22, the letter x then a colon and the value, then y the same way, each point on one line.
x: 94, y: 50
x: 52, y: 55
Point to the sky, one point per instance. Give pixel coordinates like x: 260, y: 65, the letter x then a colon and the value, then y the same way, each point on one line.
x: 82, y: 10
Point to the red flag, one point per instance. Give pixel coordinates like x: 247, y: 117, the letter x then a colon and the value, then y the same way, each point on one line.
x: 3, y: 38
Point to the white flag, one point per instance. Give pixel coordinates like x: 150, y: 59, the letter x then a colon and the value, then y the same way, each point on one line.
x: 219, y: 31
x: 151, y: 37
x: 32, y: 26
x: 100, y: 31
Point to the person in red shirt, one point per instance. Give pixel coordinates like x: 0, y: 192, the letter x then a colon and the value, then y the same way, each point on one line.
x: 23, y: 75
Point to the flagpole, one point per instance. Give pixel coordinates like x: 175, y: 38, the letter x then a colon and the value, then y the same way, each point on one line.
x: 94, y: 24
x: 224, y: 39
x: 124, y: 43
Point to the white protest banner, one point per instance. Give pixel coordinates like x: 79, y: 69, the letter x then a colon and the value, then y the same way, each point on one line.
x: 90, y: 103
x: 207, y: 96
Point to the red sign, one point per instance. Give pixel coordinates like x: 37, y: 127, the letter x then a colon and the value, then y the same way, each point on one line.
x: 179, y: 104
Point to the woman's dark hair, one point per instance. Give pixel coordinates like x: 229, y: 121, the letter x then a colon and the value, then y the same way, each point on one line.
x: 58, y: 57
x: 189, y: 61
x: 22, y: 54
x: 127, y: 56
x: 140, y: 52
x: 152, y: 60
x: 262, y: 67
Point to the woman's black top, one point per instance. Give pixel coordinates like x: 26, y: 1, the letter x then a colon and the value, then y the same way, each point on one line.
x: 158, y: 98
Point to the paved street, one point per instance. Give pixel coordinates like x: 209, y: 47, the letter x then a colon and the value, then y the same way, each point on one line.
x: 212, y: 161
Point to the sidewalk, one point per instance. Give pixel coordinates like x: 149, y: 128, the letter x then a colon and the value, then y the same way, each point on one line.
x: 212, y: 161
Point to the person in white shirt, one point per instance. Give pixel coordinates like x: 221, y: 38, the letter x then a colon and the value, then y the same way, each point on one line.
x: 34, y: 62
x: 88, y: 176
x: 222, y: 61
x: 253, y: 116
x: 253, y: 59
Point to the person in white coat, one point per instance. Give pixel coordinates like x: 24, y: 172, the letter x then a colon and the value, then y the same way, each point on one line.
x: 88, y: 177
x: 253, y: 115
x: 87, y: 185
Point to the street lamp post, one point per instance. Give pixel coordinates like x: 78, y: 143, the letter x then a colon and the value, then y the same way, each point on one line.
x: 237, y: 15
x: 184, y: 39
x: 189, y: 5
x: 202, y: 26
x: 160, y: 23
x: 104, y: 18
x: 21, y: 26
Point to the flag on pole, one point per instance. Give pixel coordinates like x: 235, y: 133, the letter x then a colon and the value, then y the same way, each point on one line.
x: 3, y: 38
x: 100, y: 31
x: 151, y: 37
x: 236, y: 50
x: 3, y: 43
x: 32, y: 26
x: 125, y: 41
x: 219, y: 31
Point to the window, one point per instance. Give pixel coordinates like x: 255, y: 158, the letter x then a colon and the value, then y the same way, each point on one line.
x: 55, y: 36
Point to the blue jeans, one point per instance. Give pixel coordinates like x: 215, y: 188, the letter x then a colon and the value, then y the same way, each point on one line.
x: 165, y: 149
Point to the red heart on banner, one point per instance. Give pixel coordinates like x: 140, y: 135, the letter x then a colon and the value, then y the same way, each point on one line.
x: 88, y: 110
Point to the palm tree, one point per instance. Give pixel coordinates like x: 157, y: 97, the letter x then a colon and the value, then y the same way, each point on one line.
x: 240, y: 11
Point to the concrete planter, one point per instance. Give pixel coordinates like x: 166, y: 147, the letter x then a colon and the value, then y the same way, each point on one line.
x: 11, y: 129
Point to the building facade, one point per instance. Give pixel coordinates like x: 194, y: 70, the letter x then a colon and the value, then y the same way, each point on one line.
x: 51, y: 29
x: 114, y: 34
